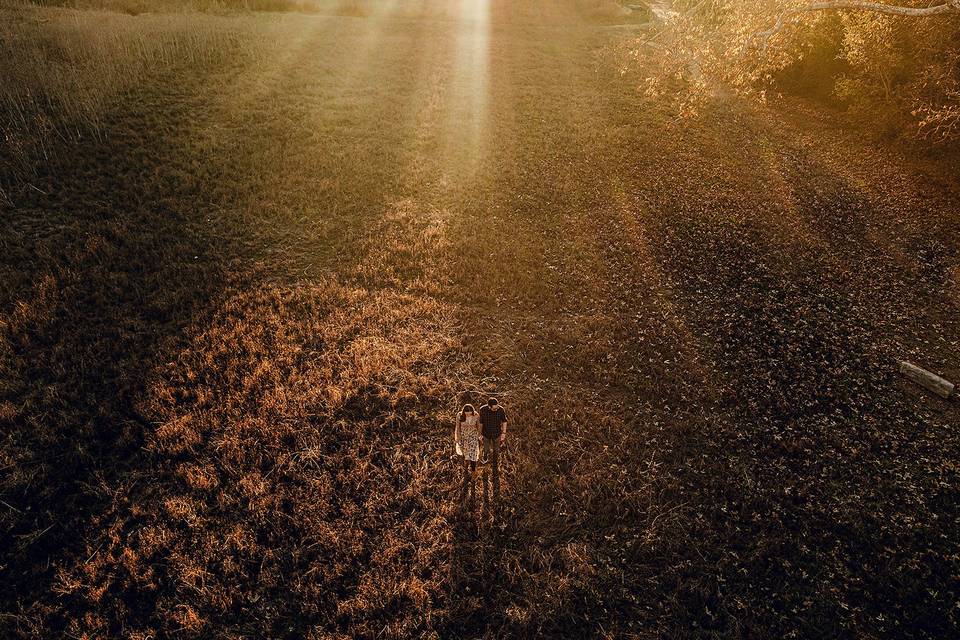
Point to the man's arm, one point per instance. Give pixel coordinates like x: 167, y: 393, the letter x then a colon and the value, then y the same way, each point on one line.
x: 503, y: 427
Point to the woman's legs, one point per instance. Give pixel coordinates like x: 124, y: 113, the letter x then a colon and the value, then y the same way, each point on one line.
x: 471, y: 478
x: 466, y: 480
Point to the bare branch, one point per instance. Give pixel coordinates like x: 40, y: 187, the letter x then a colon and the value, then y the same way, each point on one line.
x: 949, y: 6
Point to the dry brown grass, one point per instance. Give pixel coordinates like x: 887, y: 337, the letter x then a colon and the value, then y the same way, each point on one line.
x: 65, y: 69
x: 137, y: 7
x: 239, y: 305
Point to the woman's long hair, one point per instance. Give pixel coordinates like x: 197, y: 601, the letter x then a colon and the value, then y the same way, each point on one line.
x: 463, y: 412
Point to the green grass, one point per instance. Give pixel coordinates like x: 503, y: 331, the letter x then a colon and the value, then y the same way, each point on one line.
x: 251, y: 265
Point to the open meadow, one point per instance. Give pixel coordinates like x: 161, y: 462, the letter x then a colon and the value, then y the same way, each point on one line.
x: 252, y: 264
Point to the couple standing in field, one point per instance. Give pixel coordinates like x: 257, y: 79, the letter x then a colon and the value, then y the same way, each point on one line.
x: 486, y: 428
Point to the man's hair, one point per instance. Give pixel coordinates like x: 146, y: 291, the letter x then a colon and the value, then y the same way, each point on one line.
x: 492, y: 402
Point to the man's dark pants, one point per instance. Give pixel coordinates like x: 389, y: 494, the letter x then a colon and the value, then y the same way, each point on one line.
x: 491, y: 451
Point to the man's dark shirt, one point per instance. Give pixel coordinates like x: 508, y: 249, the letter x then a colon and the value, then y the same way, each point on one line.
x: 492, y: 419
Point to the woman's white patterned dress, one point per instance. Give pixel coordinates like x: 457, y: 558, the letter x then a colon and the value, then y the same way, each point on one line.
x: 469, y: 443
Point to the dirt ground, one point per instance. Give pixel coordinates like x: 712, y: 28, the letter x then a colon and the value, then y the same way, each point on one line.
x: 236, y: 324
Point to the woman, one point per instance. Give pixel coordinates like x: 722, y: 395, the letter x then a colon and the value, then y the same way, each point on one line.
x: 466, y: 437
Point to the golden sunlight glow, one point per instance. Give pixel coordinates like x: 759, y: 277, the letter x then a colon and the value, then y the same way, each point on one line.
x: 264, y: 264
x: 471, y: 70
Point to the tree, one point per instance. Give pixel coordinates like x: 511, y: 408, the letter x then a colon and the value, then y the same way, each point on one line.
x: 896, y: 63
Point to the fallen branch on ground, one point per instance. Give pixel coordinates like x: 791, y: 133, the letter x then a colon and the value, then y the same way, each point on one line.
x: 924, y: 378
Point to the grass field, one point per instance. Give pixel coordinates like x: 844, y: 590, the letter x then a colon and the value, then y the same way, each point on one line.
x: 251, y: 265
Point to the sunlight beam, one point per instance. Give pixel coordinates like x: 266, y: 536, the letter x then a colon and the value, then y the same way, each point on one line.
x: 472, y: 72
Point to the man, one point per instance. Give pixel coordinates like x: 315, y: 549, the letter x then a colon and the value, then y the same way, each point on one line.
x: 493, y: 426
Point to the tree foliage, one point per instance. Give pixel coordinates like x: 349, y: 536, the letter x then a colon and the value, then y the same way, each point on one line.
x: 893, y: 64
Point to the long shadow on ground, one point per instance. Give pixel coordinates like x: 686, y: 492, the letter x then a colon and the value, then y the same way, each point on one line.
x: 121, y: 262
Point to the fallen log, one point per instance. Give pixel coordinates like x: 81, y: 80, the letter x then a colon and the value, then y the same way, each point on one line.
x: 924, y: 378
